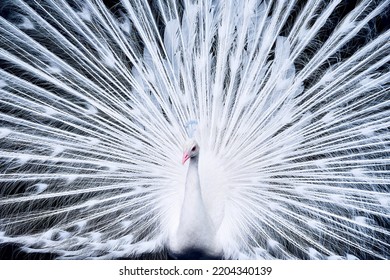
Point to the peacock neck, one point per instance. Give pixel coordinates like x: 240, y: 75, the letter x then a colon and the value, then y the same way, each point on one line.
x: 193, y: 174
x: 193, y: 192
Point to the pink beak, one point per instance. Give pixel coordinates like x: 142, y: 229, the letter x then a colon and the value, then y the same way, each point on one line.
x: 185, y: 158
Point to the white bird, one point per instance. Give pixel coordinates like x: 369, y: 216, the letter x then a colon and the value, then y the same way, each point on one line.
x: 285, y: 103
x: 196, y: 232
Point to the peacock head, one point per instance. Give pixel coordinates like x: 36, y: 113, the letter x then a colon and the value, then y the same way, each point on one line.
x: 191, y: 149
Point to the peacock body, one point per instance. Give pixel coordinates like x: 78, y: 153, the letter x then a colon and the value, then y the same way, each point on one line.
x: 288, y: 102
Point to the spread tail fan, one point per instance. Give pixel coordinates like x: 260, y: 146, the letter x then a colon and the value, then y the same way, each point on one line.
x: 288, y: 103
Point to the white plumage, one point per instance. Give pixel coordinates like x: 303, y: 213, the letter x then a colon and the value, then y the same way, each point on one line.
x: 292, y: 110
x: 196, y: 231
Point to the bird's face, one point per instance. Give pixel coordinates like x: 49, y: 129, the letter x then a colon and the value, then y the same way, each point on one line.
x: 191, y: 149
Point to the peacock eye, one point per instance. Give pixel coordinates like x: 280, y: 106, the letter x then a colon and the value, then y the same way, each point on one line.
x: 193, y: 149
